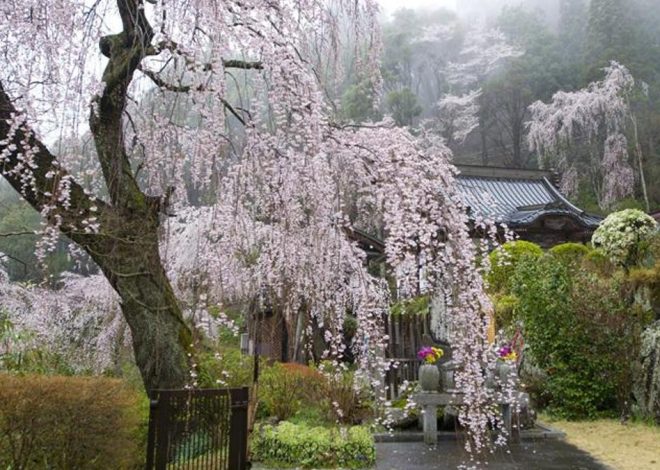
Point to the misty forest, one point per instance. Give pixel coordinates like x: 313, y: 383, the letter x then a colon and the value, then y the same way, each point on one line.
x: 329, y: 234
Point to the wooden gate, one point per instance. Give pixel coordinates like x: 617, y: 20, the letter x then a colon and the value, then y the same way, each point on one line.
x: 198, y: 429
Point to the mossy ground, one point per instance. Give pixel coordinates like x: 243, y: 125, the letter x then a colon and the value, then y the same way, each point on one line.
x: 633, y: 446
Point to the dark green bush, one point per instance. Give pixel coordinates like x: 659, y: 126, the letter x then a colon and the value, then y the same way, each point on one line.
x: 582, y: 332
x: 289, y: 445
x: 503, y: 262
x: 505, y: 306
x: 55, y: 422
x: 570, y: 253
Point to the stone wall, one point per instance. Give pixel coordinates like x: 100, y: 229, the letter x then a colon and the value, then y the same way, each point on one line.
x: 647, y: 383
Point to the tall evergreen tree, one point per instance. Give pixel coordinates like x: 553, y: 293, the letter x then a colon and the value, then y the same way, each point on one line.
x: 610, y: 35
x: 572, y: 29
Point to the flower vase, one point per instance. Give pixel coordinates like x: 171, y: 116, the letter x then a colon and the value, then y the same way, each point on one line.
x: 506, y: 371
x: 429, y: 377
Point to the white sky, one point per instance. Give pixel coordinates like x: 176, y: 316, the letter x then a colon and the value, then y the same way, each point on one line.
x: 389, y: 6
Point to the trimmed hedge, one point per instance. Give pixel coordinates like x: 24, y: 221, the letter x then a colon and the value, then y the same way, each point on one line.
x: 503, y: 262
x: 570, y: 253
x: 61, y: 422
x: 289, y: 445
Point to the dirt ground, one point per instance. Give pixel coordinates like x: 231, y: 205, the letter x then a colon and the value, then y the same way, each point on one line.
x: 633, y: 446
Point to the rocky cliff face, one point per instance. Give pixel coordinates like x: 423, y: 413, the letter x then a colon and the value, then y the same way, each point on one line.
x: 647, y: 381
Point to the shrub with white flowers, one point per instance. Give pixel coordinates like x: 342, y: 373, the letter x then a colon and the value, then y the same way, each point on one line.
x: 622, y: 234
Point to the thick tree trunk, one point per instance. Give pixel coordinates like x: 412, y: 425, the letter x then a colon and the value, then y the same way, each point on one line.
x: 125, y: 245
x: 129, y: 258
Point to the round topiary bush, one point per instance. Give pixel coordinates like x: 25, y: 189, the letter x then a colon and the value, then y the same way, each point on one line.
x: 503, y: 262
x: 570, y: 253
x: 624, y: 236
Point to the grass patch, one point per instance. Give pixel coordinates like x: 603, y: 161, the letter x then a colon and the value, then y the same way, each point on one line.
x: 634, y: 446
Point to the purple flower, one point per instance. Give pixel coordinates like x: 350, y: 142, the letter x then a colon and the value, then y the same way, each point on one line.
x: 425, y: 351
x: 505, y: 351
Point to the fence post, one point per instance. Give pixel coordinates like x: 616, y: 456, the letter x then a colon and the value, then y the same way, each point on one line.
x: 163, y: 437
x: 151, y: 436
x: 238, y: 429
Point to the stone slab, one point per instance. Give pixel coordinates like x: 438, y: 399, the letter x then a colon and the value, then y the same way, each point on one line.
x: 544, y: 454
x: 540, y: 431
x: 444, y: 399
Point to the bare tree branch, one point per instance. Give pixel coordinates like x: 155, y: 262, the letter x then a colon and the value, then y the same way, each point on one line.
x: 16, y: 234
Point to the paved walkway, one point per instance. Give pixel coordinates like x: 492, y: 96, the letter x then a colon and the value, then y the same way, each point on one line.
x: 542, y: 454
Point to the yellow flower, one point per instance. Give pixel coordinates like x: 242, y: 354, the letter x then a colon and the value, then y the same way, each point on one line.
x: 511, y: 356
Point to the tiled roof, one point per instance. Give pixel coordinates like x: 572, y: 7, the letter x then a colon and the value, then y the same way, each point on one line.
x: 516, y: 197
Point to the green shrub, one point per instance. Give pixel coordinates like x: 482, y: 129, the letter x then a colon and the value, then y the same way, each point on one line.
x: 570, y: 253
x: 505, y: 307
x: 60, y: 422
x: 227, y: 367
x: 582, y: 332
x: 290, y: 391
x: 598, y: 262
x: 290, y: 445
x: 285, y: 388
x: 503, y: 262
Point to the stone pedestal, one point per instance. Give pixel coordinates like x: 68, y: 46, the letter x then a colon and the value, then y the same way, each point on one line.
x: 429, y: 402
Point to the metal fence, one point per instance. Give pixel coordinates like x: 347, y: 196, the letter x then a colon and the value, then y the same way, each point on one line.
x: 198, y: 429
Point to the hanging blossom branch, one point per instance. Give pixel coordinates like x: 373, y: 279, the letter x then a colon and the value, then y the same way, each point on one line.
x: 482, y: 54
x: 596, y: 114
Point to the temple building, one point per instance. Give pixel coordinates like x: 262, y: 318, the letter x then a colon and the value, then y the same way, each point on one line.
x: 526, y: 201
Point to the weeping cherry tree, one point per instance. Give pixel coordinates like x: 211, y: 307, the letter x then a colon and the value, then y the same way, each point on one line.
x: 596, y: 116
x: 252, y: 123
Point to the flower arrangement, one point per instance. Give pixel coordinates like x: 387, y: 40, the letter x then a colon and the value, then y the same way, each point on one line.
x: 430, y: 354
x: 506, y: 353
